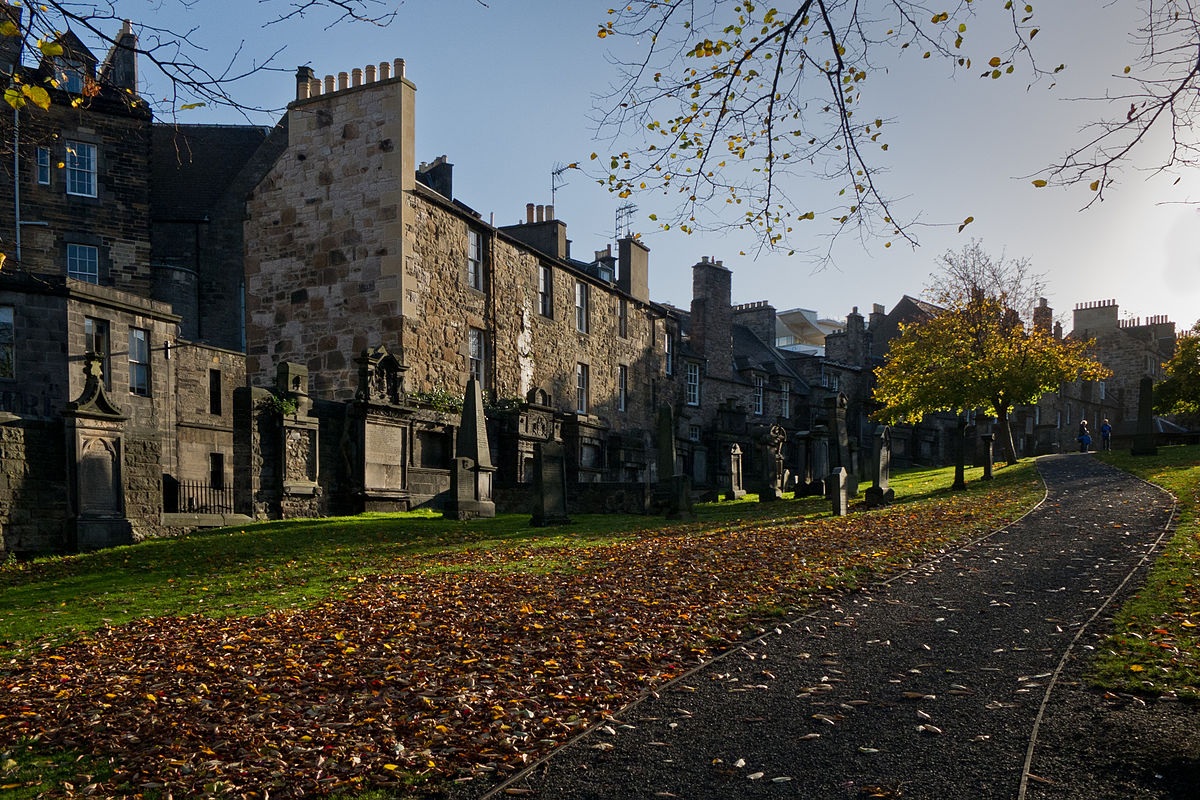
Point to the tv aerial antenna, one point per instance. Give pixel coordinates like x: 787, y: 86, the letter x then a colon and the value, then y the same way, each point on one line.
x: 624, y: 219
x: 557, y: 181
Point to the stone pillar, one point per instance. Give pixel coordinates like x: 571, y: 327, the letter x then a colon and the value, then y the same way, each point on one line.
x: 471, y: 472
x: 989, y: 443
x: 836, y: 485
x: 1143, y: 439
x: 735, y: 490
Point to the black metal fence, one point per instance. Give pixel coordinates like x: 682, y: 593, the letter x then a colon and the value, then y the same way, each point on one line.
x: 196, y: 497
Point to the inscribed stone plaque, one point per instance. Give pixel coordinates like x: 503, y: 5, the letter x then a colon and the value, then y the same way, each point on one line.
x: 98, y: 484
x: 383, y: 454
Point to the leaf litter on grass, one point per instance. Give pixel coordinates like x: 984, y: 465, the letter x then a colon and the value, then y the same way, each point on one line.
x: 446, y: 668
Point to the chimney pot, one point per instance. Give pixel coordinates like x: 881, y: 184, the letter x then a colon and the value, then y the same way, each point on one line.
x: 529, y: 213
x: 385, y: 70
x: 399, y: 67
x: 549, y: 213
x: 328, y: 84
x: 343, y: 81
x: 356, y: 77
x: 370, y: 73
x: 541, y: 213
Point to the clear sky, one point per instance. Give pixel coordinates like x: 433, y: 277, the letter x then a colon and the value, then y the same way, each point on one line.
x: 506, y: 93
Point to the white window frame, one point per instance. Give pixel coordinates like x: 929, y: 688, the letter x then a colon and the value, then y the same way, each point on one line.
x: 583, y: 380
x: 669, y: 352
x: 582, y: 307
x: 759, y: 391
x: 83, y: 262
x: 692, y: 384
x: 785, y: 400
x: 622, y: 318
x: 622, y: 387
x: 474, y: 259
x: 139, y: 362
x: 80, y: 164
x: 476, y: 355
x: 43, y: 166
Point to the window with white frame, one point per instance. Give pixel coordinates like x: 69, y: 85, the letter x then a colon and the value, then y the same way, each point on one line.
x: 583, y: 380
x: 622, y: 387
x: 139, y: 362
x: 759, y: 389
x: 81, y: 169
x: 8, y: 342
x: 476, y: 350
x: 1101, y: 389
x: 669, y: 352
x: 474, y: 260
x: 692, y: 384
x: 72, y: 77
x: 622, y: 317
x: 785, y: 400
x: 546, y: 291
x: 694, y: 433
x: 43, y: 166
x: 83, y: 263
x: 581, y: 307
x: 95, y: 340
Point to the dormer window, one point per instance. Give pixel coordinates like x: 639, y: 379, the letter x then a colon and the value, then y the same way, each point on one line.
x: 72, y: 77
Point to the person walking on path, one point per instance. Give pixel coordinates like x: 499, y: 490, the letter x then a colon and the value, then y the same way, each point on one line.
x: 1105, y: 436
x: 930, y: 685
x: 1085, y: 437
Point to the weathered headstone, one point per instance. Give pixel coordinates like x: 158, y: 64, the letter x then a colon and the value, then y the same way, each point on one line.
x: 771, y: 463
x: 736, y: 489
x: 549, y: 485
x: 820, y: 459
x: 989, y: 454
x: 880, y: 493
x: 1143, y: 438
x: 836, y: 494
x: 471, y: 470
x: 679, y: 503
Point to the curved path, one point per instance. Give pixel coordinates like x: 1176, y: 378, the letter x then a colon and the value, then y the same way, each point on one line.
x: 932, y: 685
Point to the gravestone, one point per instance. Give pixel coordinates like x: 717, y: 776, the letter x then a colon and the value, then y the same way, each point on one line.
x: 989, y: 454
x: 471, y: 471
x: 771, y: 463
x: 665, y: 444
x: 880, y: 493
x: 840, y: 447
x: 820, y: 459
x: 673, y: 491
x: 836, y: 485
x: 736, y: 489
x: 1143, y: 438
x: 549, y: 485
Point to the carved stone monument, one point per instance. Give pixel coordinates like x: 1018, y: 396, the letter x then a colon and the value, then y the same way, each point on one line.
x: 95, y: 427
x: 771, y: 462
x: 549, y: 485
x: 300, y: 437
x: 472, y: 471
x: 673, y: 492
x: 736, y: 490
x: 880, y: 494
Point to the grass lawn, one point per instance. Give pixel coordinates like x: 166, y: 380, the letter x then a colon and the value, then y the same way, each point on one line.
x: 384, y: 651
x: 1156, y: 644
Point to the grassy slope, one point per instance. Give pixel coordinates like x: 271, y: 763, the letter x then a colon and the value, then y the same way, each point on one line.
x: 1156, y: 644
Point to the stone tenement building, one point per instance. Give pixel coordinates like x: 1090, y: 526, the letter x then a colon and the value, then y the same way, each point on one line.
x: 86, y: 453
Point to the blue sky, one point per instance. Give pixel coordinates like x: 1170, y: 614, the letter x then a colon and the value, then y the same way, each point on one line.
x: 506, y: 93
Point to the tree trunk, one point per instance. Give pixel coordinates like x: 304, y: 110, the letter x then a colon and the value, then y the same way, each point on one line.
x: 1006, y: 439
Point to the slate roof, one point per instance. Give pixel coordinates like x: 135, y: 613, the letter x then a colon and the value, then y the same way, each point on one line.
x: 193, y: 165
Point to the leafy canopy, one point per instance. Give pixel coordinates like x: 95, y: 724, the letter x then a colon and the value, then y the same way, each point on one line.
x: 1179, y: 394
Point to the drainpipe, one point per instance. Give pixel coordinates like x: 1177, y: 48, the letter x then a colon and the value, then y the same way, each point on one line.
x: 16, y: 146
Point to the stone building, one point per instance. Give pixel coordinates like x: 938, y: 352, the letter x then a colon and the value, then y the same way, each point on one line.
x: 364, y: 270
x: 95, y: 381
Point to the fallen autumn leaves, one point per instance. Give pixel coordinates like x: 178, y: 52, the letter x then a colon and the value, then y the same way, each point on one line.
x: 458, y: 664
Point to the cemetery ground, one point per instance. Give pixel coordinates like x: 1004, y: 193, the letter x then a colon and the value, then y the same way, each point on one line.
x: 408, y: 655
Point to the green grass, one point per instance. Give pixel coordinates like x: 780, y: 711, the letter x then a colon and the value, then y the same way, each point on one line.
x: 298, y: 563
x: 1155, y: 646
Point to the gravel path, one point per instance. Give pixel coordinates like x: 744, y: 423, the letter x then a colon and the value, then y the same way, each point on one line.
x: 929, y: 686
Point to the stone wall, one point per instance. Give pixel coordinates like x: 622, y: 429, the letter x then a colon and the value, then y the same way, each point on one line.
x: 33, y: 488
